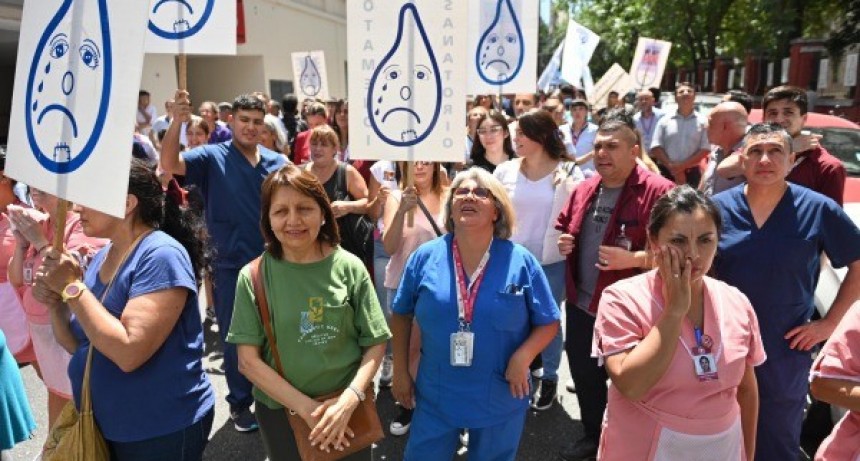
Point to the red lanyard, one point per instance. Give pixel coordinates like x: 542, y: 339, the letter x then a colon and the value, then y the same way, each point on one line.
x: 466, y: 295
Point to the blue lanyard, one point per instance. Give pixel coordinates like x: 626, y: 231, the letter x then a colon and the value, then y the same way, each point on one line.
x: 698, y: 332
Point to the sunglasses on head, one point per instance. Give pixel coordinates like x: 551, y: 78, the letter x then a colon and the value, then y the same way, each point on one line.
x: 478, y: 192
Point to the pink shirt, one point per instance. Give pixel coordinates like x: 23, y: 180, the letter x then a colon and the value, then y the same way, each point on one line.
x: 678, y: 402
x: 75, y: 241
x: 839, y: 359
x: 411, y: 238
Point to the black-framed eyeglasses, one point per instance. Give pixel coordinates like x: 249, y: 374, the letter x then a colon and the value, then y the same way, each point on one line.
x: 477, y: 192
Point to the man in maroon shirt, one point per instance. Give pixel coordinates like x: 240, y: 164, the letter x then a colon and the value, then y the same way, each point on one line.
x: 604, y: 238
x: 813, y: 167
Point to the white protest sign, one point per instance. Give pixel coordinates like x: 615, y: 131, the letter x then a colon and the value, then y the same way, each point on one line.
x: 850, y: 77
x: 823, y: 73
x: 550, y: 73
x: 649, y: 62
x: 407, y: 84
x: 309, y: 73
x: 192, y: 27
x: 579, y: 45
x: 615, y: 79
x: 503, y: 46
x: 76, y: 84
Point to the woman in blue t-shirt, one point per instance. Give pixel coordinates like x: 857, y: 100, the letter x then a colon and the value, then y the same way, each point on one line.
x: 137, y: 305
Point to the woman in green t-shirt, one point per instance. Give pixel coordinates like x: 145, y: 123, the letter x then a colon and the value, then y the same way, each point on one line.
x: 329, y: 328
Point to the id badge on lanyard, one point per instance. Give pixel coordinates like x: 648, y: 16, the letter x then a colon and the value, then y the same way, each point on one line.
x: 704, y: 362
x: 463, y: 341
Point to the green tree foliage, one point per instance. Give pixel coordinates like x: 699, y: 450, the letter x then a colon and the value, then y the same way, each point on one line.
x: 703, y: 30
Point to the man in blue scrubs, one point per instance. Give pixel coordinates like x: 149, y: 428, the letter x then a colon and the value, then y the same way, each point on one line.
x: 773, y: 235
x: 229, y: 175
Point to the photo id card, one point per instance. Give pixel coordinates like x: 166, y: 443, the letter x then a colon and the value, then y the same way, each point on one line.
x: 706, y: 367
x: 462, y: 346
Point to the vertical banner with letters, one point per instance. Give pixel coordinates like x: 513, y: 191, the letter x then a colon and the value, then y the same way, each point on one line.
x: 503, y: 46
x: 309, y: 73
x: 192, y: 27
x: 649, y: 62
x: 407, y: 79
x: 76, y: 83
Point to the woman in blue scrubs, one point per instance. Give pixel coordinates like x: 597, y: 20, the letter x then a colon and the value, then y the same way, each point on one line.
x: 485, y: 311
x: 774, y: 234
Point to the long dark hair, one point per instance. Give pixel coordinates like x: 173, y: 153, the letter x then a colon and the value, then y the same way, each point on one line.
x: 479, y: 153
x: 163, y: 211
x: 539, y: 126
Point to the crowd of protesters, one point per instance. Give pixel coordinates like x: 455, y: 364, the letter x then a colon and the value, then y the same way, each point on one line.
x: 679, y: 250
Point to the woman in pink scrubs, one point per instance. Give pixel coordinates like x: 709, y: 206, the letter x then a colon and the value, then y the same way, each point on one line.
x: 655, y: 331
x: 835, y: 379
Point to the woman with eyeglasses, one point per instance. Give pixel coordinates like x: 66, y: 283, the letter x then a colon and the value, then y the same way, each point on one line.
x: 485, y: 310
x: 424, y: 199
x: 492, y: 146
x: 539, y: 183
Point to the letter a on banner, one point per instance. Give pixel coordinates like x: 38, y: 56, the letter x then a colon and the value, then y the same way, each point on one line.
x: 76, y: 84
x: 407, y: 79
x: 503, y: 46
x: 192, y: 27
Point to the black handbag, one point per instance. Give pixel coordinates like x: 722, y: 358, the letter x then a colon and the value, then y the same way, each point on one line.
x: 356, y: 230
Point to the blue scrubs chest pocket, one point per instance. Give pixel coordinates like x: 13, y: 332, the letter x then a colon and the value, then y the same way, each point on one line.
x: 510, y: 312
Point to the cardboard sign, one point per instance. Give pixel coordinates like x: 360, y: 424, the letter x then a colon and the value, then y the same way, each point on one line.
x: 579, y: 45
x: 503, y: 46
x: 407, y: 79
x: 73, y: 109
x: 309, y: 73
x: 649, y: 62
x: 615, y: 79
x: 192, y: 27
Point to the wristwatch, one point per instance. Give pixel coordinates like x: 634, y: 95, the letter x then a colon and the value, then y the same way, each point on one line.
x: 73, y: 291
x: 358, y: 393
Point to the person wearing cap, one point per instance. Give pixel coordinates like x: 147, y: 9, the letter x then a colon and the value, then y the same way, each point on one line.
x: 578, y: 136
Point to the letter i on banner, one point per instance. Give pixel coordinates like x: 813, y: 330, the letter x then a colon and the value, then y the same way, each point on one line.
x: 76, y: 83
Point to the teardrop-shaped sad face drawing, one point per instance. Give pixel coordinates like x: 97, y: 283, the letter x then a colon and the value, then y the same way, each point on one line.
x: 310, y: 80
x: 499, y: 56
x: 68, y: 88
x: 177, y: 19
x: 405, y: 94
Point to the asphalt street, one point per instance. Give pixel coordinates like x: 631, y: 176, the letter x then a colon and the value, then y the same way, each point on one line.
x: 545, y: 432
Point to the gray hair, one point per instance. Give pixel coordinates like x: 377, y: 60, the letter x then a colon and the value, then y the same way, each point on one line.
x: 503, y: 228
x: 274, y: 127
x: 769, y: 128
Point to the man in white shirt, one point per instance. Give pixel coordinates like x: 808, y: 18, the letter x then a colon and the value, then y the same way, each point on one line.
x: 146, y: 113
x: 647, y: 117
x: 578, y: 136
x: 681, y: 139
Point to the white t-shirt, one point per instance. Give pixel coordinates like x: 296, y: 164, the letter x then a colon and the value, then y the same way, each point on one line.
x: 579, y: 144
x: 141, y: 120
x: 385, y: 174
x: 532, y: 202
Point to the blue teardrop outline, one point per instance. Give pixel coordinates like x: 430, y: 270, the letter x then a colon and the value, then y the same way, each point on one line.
x: 519, y: 65
x: 47, y: 162
x: 420, y: 26
x: 318, y: 82
x: 210, y: 4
